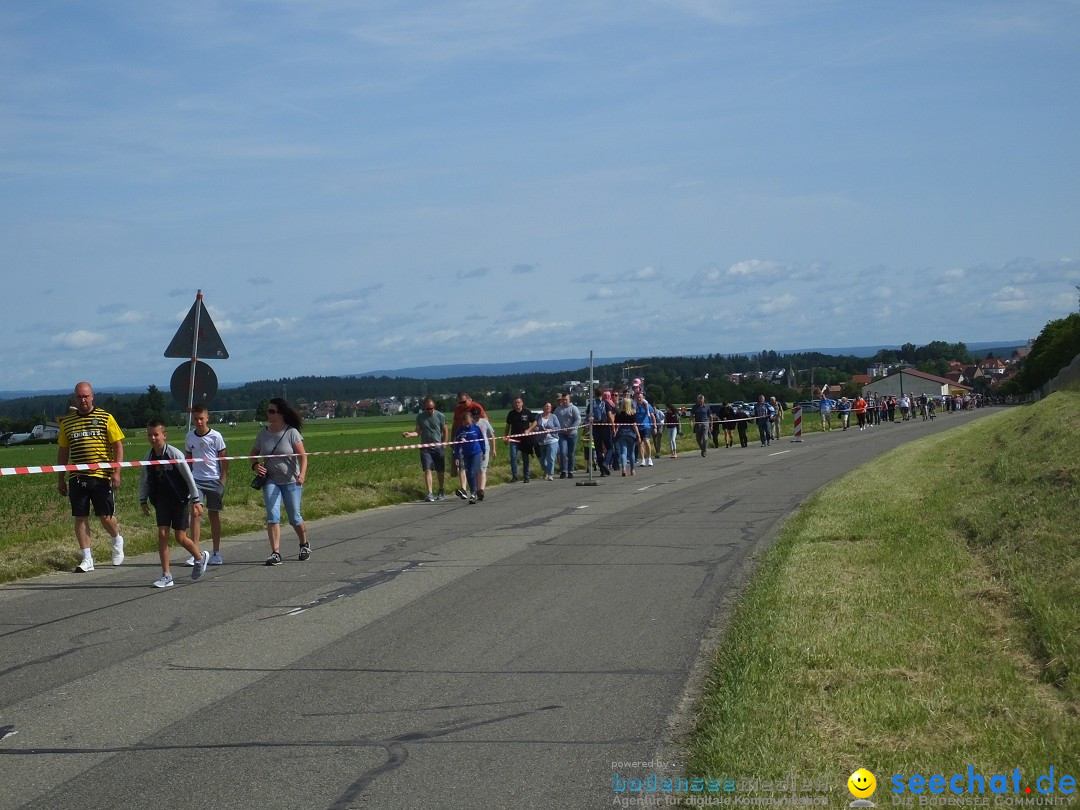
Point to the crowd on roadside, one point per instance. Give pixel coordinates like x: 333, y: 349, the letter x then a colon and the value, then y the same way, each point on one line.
x: 620, y: 430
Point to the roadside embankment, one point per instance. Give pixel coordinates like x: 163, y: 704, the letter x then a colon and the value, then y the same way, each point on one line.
x: 920, y: 615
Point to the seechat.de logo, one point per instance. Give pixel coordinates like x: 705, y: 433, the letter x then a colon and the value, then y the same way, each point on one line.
x: 1004, y: 788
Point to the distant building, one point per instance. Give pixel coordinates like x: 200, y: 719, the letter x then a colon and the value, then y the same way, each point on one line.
x: 912, y: 381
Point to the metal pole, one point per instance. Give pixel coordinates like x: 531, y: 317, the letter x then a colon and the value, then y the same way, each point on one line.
x: 194, y: 356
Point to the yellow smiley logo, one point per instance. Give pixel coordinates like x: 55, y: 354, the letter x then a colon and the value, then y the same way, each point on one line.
x: 862, y: 784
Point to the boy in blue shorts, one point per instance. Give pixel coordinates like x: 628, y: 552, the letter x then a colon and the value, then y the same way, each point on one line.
x: 470, y: 449
x: 170, y: 487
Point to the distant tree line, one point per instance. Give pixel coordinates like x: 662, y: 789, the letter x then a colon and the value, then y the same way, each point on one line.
x: 668, y: 379
x: 130, y: 410
x: 1053, y: 349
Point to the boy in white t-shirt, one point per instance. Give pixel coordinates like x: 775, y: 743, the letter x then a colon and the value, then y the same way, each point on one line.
x: 210, y: 468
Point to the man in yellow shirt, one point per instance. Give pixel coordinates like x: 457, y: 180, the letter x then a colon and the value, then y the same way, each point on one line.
x: 90, y: 435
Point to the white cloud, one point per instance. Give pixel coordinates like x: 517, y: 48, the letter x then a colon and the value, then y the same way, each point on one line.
x: 270, y: 326
x: 644, y: 274
x: 79, y: 339
x: 756, y: 269
x: 1011, y: 299
x: 131, y: 316
x: 1064, y: 302
x: 607, y: 293
x: 775, y: 304
x: 1009, y: 294
x: 346, y: 345
x: 530, y: 327
x: 360, y: 301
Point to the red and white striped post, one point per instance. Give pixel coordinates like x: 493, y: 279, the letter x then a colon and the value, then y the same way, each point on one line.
x: 796, y: 415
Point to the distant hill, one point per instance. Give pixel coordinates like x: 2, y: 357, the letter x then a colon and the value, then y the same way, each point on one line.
x: 998, y: 347
x: 491, y: 369
x: 62, y: 392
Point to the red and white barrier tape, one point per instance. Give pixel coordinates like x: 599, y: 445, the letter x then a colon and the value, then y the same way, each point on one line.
x: 57, y: 468
x: 109, y: 465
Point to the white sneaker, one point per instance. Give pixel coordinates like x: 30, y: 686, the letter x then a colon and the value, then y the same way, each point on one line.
x: 190, y: 562
x: 165, y: 581
x: 86, y: 566
x: 118, y: 550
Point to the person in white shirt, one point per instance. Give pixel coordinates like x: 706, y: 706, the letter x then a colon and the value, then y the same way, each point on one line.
x: 210, y: 469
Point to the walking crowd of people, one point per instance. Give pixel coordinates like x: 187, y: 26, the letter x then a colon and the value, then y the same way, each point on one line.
x: 620, y: 430
x: 178, y: 486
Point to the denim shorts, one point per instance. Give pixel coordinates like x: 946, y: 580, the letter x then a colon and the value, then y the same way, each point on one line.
x: 274, y: 494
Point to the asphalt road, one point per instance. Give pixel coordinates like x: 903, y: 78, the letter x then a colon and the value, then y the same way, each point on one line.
x: 513, y: 653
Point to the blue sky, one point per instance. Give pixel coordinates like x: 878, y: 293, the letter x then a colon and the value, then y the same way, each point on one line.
x: 358, y: 185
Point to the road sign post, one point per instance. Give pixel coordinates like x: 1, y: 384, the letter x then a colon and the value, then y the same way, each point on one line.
x: 196, y: 333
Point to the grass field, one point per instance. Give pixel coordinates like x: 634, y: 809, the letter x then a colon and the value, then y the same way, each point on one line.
x: 918, y: 616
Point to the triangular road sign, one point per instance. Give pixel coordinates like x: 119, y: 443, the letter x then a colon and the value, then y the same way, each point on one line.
x: 210, y: 343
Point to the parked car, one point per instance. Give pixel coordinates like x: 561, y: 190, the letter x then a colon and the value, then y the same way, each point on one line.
x: 809, y: 406
x: 41, y: 434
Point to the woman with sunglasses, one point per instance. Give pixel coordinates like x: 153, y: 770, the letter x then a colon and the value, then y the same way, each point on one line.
x: 283, y: 461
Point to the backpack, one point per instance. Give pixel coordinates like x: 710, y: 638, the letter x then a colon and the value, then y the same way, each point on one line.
x: 599, y: 410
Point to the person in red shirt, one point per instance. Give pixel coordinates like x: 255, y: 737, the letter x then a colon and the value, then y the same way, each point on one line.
x: 464, y: 405
x: 860, y: 411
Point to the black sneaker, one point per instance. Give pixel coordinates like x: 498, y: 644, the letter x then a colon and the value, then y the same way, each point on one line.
x: 461, y: 493
x: 274, y: 559
x: 305, y: 551
x: 480, y: 494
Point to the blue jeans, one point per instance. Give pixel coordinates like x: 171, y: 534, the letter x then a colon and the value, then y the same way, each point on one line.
x: 672, y: 435
x: 547, y: 457
x: 515, y: 450
x: 471, y: 465
x: 274, y: 494
x: 624, y: 450
x: 568, y: 450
